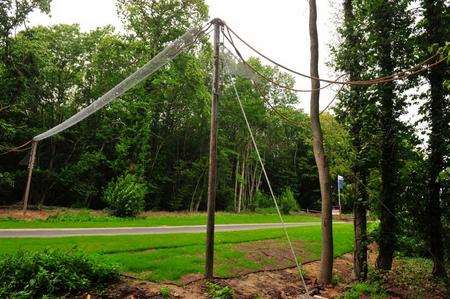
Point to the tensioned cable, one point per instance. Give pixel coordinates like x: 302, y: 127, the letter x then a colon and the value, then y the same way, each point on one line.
x: 268, y: 181
x: 333, y: 99
x: 384, y: 79
x: 254, y: 70
x: 275, y: 109
x: 16, y: 149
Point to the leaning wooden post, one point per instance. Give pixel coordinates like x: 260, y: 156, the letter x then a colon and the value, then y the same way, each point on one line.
x: 212, y: 179
x: 31, y: 163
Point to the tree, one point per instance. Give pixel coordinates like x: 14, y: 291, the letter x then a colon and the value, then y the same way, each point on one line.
x: 390, y: 39
x: 349, y: 60
x: 383, y: 15
x: 436, y: 23
x: 326, y: 265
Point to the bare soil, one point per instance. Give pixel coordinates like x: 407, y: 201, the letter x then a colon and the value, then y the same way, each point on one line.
x: 273, y: 283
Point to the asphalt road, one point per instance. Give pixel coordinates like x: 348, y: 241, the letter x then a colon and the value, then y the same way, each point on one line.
x: 113, y: 231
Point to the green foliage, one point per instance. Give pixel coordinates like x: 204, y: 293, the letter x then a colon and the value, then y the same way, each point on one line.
x: 125, y: 196
x: 216, y: 291
x: 263, y: 200
x: 52, y: 273
x: 362, y: 289
x: 165, y: 292
x: 287, y: 202
x: 158, y: 130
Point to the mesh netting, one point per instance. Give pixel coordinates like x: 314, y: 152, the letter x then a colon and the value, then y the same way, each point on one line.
x: 163, y: 57
x: 237, y: 68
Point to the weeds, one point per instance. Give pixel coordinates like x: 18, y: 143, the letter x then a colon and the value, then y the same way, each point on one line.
x: 52, y: 273
x: 216, y: 291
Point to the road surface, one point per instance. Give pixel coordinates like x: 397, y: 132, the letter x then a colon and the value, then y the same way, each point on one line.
x: 113, y: 231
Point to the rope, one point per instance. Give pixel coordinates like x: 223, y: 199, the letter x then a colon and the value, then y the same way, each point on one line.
x: 395, y: 76
x: 332, y: 100
x: 268, y: 182
x: 16, y: 149
x: 254, y: 70
x: 273, y: 108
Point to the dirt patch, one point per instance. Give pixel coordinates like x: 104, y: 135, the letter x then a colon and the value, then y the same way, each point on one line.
x: 42, y: 214
x: 29, y: 215
x: 270, y: 254
x: 283, y: 283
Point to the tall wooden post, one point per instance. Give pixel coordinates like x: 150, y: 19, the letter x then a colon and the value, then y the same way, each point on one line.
x: 212, y: 179
x: 31, y: 163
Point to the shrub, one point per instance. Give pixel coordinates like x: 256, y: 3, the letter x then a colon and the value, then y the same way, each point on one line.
x: 216, y: 291
x: 262, y: 200
x: 288, y: 202
x: 125, y: 196
x: 52, y: 273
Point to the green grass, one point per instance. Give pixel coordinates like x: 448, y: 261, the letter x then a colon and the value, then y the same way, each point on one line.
x: 84, y: 219
x: 169, y: 257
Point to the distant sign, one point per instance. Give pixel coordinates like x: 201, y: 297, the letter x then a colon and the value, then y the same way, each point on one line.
x: 340, y: 182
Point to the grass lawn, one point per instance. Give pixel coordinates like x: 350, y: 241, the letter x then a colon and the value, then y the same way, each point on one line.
x: 169, y: 257
x: 86, y: 218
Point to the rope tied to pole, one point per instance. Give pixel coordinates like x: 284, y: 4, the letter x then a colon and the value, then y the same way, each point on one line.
x: 297, y: 263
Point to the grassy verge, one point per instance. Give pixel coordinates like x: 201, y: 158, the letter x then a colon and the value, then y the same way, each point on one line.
x: 84, y: 219
x: 169, y: 257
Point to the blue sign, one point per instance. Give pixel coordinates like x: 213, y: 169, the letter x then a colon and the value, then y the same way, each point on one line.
x: 340, y: 182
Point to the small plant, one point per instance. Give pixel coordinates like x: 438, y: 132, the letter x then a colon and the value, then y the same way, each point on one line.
x: 165, y: 292
x: 216, y: 291
x: 288, y: 202
x: 363, y: 289
x: 52, y: 273
x: 125, y: 196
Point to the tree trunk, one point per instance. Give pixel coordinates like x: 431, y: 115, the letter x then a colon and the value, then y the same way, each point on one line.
x: 387, y: 239
x: 241, y: 185
x: 439, y: 123
x: 360, y: 267
x: 326, y: 264
x: 236, y: 175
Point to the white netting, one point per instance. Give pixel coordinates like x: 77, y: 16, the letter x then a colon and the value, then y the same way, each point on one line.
x: 163, y: 57
x: 236, y: 67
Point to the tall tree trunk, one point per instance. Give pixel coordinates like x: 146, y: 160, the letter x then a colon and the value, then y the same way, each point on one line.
x: 326, y: 264
x: 435, y: 30
x: 388, y: 121
x: 360, y: 267
x: 236, y: 176
x: 241, y: 184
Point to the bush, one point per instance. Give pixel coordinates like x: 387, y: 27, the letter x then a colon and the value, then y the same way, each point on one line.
x: 262, y: 200
x: 52, y: 273
x: 288, y: 202
x: 125, y: 196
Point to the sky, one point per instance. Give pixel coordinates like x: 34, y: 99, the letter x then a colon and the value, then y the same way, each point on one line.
x: 278, y: 29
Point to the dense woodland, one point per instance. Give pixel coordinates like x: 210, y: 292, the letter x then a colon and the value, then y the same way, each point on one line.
x: 159, y: 131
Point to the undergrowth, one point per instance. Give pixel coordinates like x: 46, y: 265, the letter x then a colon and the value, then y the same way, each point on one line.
x: 52, y: 273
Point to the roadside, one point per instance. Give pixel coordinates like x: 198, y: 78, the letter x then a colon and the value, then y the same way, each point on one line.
x: 403, y: 281
x: 169, y: 257
x: 116, y: 231
x: 73, y: 218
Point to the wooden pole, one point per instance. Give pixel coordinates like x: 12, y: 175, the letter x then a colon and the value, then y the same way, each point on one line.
x: 212, y: 179
x: 30, y: 174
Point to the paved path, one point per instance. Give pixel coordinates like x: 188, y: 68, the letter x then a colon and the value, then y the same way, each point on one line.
x: 64, y: 232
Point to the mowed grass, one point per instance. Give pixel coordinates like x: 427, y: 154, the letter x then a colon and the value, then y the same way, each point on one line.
x: 169, y: 257
x: 85, y: 219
